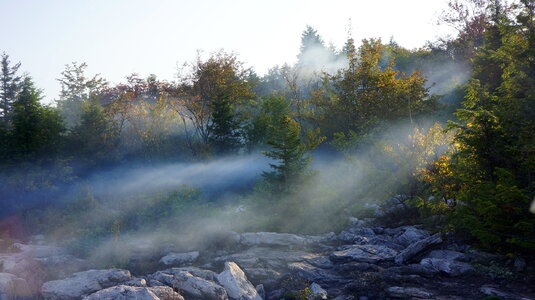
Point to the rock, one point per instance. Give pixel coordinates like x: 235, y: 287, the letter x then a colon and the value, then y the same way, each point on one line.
x: 312, y: 273
x: 317, y: 292
x: 408, y: 292
x: 386, y: 241
x: 12, y: 287
x: 319, y: 261
x: 413, y: 269
x: 364, y: 253
x: 123, y: 292
x: 235, y: 282
x: 139, y: 282
x: 24, y: 267
x: 520, y: 264
x: 264, y: 275
x: 191, y: 285
x: 261, y: 291
x: 447, y: 254
x: 263, y: 257
x: 204, y: 274
x: 410, y: 236
x: 451, y: 267
x: 355, y: 266
x: 179, y: 258
x: 83, y: 283
x: 490, y: 290
x: 416, y: 248
x: 272, y: 239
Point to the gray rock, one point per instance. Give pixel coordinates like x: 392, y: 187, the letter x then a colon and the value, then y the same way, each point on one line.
x: 408, y: 292
x: 386, y: 241
x: 447, y: 254
x: 204, y: 274
x: 123, y: 292
x: 179, y: 258
x: 414, y: 269
x: 314, y: 274
x: 451, y: 267
x: 261, y: 291
x: 83, y: 283
x: 139, y: 282
x: 264, y: 257
x: 490, y: 290
x: 317, y: 292
x: 192, y: 286
x: 233, y: 279
x: 411, y: 235
x: 364, y: 253
x: 416, y: 248
x: 12, y: 287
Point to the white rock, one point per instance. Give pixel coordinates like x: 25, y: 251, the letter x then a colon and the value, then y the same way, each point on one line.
x: 450, y: 267
x: 83, y: 283
x: 192, y: 286
x: 179, y: 258
x: 235, y: 282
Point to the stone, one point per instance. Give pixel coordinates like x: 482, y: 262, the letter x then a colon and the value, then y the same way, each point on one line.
x: 317, y: 292
x: 261, y: 291
x: 204, y: 274
x: 311, y: 273
x: 411, y: 235
x: 450, y: 267
x: 191, y: 285
x: 180, y: 258
x: 233, y: 279
x: 12, y: 287
x: 139, y: 282
x: 417, y: 247
x: 364, y: 253
x: 124, y: 292
x: 83, y: 283
x: 408, y: 292
x: 447, y: 254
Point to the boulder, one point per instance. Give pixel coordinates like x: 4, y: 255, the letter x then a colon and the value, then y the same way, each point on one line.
x: 408, y: 292
x: 204, y: 274
x: 413, y: 269
x: 364, y: 253
x: 417, y: 247
x: 191, y: 285
x: 12, y: 287
x: 179, y: 258
x: 451, y: 267
x: 447, y: 254
x: 83, y: 283
x: 264, y: 257
x: 124, y: 292
x: 233, y: 279
x: 317, y: 292
x: 411, y: 235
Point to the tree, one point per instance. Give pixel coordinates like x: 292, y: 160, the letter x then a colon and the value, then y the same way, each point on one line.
x: 9, y: 87
x: 493, y: 169
x: 95, y: 140
x: 221, y: 78
x: 225, y: 128
x: 37, y: 129
x: 77, y: 89
x: 289, y: 149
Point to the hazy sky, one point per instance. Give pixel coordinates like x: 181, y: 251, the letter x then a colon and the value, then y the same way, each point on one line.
x: 119, y: 37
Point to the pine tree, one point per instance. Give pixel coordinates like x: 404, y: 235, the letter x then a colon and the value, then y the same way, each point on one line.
x: 36, y: 129
x: 9, y: 87
x: 224, y: 129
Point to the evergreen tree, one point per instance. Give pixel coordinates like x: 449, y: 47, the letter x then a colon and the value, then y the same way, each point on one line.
x: 37, y: 129
x: 9, y: 87
x: 224, y: 130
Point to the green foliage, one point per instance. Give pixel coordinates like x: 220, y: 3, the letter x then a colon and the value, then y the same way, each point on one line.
x: 224, y: 129
x: 9, y: 88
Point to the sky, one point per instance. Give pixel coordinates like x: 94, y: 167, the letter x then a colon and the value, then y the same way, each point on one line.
x: 120, y: 37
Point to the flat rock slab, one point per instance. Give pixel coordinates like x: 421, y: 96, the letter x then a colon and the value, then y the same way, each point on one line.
x: 408, y: 292
x: 364, y: 253
x: 417, y: 247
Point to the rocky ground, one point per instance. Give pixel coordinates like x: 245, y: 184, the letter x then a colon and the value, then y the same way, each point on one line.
x: 364, y: 261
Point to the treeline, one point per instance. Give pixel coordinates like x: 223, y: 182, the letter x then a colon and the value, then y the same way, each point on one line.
x: 478, y: 175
